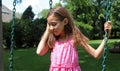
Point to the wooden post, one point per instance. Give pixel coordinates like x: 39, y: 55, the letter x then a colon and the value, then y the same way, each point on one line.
x: 1, y: 40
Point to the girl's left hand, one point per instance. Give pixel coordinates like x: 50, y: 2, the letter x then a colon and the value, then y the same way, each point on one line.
x: 108, y: 27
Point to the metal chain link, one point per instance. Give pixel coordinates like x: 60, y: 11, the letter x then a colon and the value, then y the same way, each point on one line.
x: 50, y: 3
x: 106, y: 36
x: 12, y: 37
x: 108, y: 10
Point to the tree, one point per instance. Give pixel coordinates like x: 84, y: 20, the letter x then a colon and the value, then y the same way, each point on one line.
x: 86, y: 11
x: 57, y: 4
x: 90, y: 12
x: 116, y: 18
x: 25, y: 25
x: 43, y: 13
x: 38, y: 29
x: 28, y: 13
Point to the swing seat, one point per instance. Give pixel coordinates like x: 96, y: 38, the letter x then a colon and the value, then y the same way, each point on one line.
x: 116, y: 48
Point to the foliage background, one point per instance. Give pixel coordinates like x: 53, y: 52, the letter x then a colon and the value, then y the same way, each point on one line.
x: 88, y: 15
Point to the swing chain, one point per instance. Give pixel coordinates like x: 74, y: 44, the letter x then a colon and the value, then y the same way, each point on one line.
x: 12, y: 37
x: 50, y: 3
x: 106, y: 35
x: 108, y: 10
x: 105, y: 53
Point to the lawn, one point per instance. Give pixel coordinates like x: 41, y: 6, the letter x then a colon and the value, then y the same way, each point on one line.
x: 27, y: 60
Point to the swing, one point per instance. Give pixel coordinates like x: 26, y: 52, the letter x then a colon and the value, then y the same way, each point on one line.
x: 12, y: 37
x: 50, y: 3
x: 106, y: 39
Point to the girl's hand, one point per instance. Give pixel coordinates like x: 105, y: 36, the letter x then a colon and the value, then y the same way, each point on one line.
x: 47, y: 28
x: 108, y: 27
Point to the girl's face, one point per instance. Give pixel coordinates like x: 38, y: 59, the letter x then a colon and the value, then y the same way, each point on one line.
x: 56, y: 26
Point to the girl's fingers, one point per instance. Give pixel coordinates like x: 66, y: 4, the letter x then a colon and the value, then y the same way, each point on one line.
x: 107, y: 25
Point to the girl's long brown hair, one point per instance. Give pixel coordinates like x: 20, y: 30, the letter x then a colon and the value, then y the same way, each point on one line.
x: 70, y: 29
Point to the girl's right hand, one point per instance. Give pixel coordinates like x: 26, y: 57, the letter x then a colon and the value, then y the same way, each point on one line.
x: 47, y: 28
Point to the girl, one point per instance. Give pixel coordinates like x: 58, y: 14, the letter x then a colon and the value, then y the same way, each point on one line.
x: 62, y: 37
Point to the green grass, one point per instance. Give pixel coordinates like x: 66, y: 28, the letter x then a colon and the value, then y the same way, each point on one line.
x: 27, y: 60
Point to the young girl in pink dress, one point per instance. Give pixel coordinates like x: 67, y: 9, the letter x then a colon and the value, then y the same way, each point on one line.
x: 62, y: 37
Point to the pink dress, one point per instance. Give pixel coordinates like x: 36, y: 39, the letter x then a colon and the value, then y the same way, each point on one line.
x: 64, y: 57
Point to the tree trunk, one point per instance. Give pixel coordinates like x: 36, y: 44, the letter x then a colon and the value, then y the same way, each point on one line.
x: 1, y: 39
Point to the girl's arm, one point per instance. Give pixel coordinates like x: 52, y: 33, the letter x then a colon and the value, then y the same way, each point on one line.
x: 96, y: 53
x: 42, y: 46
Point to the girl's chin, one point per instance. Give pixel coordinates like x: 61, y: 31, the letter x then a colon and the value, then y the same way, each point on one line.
x: 56, y: 34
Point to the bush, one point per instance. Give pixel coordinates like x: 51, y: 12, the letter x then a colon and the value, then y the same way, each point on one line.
x: 26, y: 32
